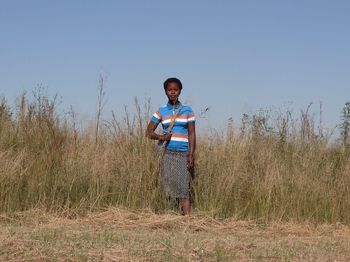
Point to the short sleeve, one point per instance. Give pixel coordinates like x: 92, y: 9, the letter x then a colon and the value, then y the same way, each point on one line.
x: 190, y: 116
x: 156, y: 117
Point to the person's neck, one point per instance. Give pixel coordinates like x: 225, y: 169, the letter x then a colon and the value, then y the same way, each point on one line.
x: 174, y: 103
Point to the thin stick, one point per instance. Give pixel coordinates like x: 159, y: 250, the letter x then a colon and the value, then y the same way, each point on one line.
x: 172, y: 123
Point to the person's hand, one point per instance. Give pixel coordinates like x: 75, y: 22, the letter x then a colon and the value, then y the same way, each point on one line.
x: 165, y: 137
x: 190, y: 162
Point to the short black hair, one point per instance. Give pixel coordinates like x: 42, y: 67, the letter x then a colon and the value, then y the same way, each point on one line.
x: 172, y: 80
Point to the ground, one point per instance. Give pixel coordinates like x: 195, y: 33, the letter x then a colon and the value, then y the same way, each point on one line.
x: 123, y: 235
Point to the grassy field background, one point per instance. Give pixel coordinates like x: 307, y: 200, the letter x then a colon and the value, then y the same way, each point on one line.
x: 269, y: 168
x: 273, y: 187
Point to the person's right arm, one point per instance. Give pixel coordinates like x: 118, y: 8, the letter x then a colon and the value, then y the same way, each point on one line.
x: 152, y: 135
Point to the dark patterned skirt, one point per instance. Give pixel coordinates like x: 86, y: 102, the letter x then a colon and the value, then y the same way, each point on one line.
x: 175, y: 176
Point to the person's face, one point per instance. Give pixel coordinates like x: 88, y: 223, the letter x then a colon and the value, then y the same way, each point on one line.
x: 173, y: 91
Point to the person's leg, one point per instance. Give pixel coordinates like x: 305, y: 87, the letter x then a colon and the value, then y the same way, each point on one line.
x: 185, y: 206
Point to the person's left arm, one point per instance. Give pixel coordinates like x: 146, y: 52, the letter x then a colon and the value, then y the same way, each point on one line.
x: 192, y: 145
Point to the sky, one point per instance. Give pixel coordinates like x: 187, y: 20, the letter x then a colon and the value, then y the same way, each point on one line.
x: 232, y: 56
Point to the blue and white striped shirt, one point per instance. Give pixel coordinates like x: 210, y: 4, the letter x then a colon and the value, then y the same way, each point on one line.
x: 179, y: 138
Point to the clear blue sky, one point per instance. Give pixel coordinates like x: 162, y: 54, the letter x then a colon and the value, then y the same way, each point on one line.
x: 234, y: 56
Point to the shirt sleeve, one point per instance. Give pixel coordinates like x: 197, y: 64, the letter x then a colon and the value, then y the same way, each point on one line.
x: 190, y: 116
x: 156, y: 117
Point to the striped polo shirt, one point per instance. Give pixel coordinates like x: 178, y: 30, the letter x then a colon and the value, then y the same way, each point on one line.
x: 179, y: 139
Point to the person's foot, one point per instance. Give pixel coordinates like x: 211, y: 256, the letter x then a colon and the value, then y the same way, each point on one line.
x: 187, y: 218
x: 186, y: 226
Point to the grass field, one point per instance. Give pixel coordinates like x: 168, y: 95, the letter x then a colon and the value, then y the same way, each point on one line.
x: 124, y: 235
x: 269, y: 168
x: 61, y: 181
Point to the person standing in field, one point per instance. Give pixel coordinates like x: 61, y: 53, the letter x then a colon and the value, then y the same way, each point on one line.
x: 179, y: 140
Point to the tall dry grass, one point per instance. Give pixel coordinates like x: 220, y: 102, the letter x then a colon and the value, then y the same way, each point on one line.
x: 274, y: 168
